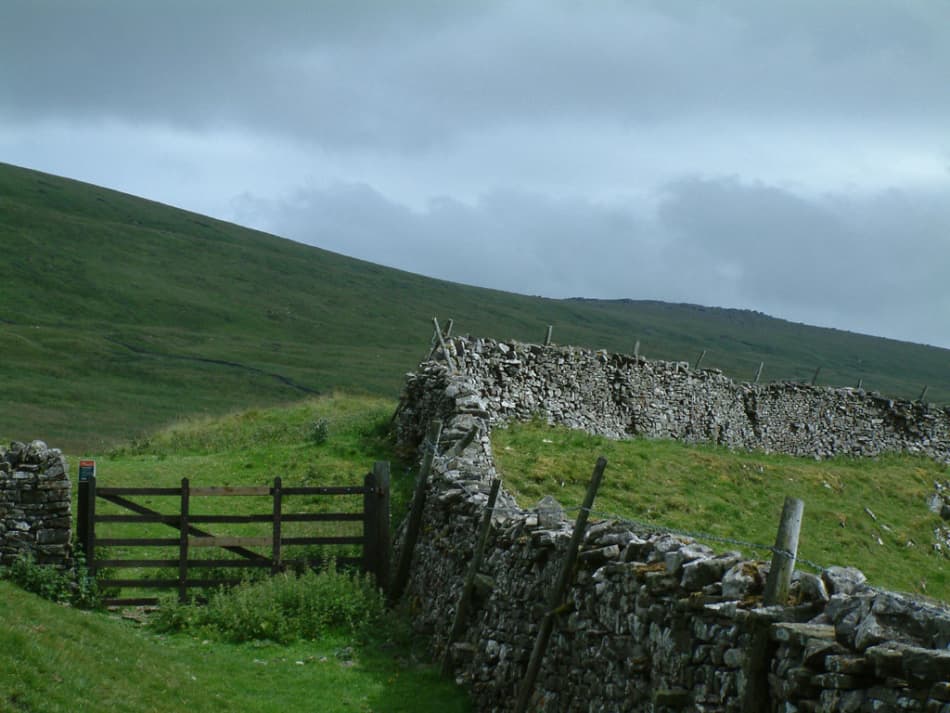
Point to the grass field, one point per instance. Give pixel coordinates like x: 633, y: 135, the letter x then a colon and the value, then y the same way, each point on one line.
x: 55, y: 659
x: 733, y: 494
x: 119, y: 315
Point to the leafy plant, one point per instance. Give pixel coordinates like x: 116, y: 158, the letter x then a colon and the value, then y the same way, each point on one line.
x: 66, y: 585
x: 319, y: 431
x: 283, y: 608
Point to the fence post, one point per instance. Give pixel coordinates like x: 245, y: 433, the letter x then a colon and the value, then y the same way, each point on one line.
x: 183, y: 543
x: 699, y: 361
x: 557, y: 594
x: 86, y: 521
x: 547, y: 337
x: 758, y: 372
x: 784, y: 552
x: 923, y: 394
x: 860, y: 383
x: 636, y: 350
x: 461, y: 444
x: 448, y: 328
x: 430, y: 445
x: 445, y: 350
x: 814, y: 379
x: 376, y: 547
x: 461, y: 611
x: 275, y: 565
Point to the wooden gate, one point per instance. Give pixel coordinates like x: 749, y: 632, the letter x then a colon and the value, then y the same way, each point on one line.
x: 373, y: 514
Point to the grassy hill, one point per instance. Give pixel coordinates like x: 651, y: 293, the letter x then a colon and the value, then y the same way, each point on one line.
x: 118, y: 315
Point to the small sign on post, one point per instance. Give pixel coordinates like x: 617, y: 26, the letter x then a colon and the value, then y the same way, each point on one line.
x: 87, y: 470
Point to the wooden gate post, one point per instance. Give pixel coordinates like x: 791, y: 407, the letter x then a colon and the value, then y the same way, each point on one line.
x: 430, y: 445
x: 275, y: 565
x: 376, y: 546
x: 557, y: 594
x: 183, y: 543
x: 86, y: 521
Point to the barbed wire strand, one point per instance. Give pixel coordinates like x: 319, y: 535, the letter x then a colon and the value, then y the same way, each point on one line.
x: 652, y: 527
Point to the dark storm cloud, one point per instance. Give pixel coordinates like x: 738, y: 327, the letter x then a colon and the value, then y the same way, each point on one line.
x: 405, y: 75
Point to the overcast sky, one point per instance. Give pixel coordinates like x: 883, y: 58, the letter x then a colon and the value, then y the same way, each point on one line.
x: 789, y: 157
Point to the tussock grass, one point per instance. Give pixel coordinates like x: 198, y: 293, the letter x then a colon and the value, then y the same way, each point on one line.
x: 740, y: 495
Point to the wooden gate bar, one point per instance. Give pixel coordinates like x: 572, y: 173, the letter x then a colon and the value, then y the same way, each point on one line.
x: 228, y: 490
x: 135, y: 507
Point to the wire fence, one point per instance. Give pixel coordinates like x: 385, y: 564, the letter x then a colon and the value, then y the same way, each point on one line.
x: 646, y: 527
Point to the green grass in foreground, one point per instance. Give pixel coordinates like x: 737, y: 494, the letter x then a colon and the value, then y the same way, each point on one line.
x: 59, y: 660
x: 54, y: 659
x: 740, y: 495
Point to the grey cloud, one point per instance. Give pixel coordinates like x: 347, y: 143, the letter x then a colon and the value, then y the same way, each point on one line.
x: 412, y: 77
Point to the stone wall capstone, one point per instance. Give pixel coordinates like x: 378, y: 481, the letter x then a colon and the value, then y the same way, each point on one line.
x: 657, y: 623
x: 35, y: 506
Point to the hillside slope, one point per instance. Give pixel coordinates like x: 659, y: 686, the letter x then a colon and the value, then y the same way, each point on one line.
x: 118, y: 314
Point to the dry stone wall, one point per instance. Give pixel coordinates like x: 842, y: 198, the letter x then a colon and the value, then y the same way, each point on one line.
x: 35, y: 510
x: 618, y: 396
x: 653, y: 623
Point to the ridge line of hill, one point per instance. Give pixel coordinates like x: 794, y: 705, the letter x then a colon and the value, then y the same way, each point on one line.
x: 82, y: 263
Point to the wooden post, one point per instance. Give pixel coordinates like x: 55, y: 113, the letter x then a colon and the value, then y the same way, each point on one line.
x: 636, y: 350
x: 814, y: 379
x: 461, y: 610
x: 700, y: 360
x: 275, y: 565
x: 461, y: 444
x: 445, y: 351
x: 557, y: 594
x: 415, y: 515
x: 183, y: 543
x: 860, y: 383
x: 376, y: 547
x: 547, y: 337
x: 923, y: 394
x: 448, y: 329
x: 758, y: 372
x: 784, y: 552
x: 86, y: 522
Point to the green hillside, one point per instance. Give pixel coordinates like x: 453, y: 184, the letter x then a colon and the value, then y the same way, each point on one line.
x: 118, y: 315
